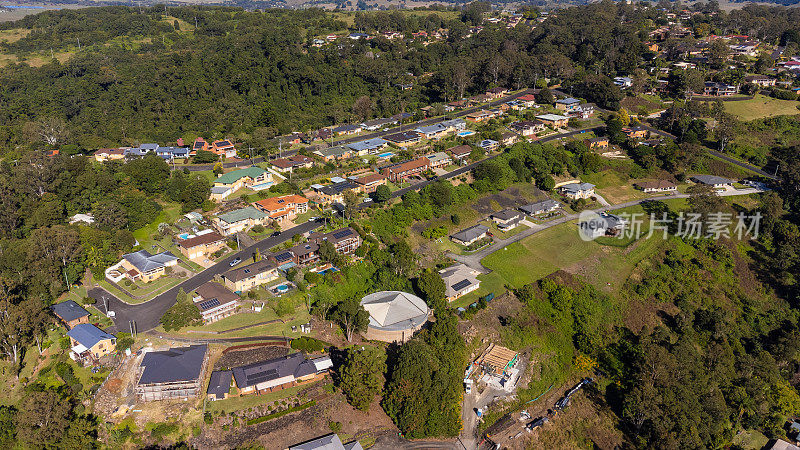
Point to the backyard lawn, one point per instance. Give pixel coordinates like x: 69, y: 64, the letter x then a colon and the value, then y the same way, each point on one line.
x: 762, y: 106
x: 490, y: 283
x: 249, y: 401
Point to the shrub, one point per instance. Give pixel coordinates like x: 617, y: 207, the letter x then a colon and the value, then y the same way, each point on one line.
x: 336, y: 427
x: 308, y: 344
x: 258, y: 229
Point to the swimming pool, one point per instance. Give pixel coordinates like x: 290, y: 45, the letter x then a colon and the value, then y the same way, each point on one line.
x: 466, y: 133
x: 329, y: 269
x: 281, y: 288
x: 386, y: 155
x: 183, y: 236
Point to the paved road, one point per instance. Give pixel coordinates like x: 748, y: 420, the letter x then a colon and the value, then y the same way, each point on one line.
x: 473, y: 260
x: 147, y: 315
x: 464, y: 169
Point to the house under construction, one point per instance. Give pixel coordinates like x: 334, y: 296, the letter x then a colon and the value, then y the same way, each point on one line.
x: 171, y: 374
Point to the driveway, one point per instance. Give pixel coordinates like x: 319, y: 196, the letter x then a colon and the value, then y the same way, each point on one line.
x: 146, y: 316
x: 473, y: 260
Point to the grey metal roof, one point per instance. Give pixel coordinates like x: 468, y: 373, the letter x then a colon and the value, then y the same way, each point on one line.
x: 327, y: 442
x: 395, y: 310
x: 577, y: 187
x: 534, y: 208
x: 220, y: 383
x: 506, y: 214
x: 144, y: 261
x: 369, y: 144
x: 250, y: 270
x: 88, y: 335
x: 69, y: 311
x: 470, y: 233
x: 252, y: 374
x: 173, y: 365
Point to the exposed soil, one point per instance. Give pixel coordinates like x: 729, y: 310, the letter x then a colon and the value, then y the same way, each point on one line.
x: 303, y: 425
x: 243, y: 357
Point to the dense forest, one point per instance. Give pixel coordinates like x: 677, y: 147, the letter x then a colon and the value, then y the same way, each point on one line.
x: 141, y: 76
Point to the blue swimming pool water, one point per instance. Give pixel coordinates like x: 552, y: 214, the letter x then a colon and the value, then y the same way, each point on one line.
x: 330, y: 269
x: 184, y: 236
x: 282, y: 288
x: 386, y: 155
x: 466, y: 133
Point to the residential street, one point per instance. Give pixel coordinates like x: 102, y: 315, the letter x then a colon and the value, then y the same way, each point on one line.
x: 473, y: 260
x: 148, y: 314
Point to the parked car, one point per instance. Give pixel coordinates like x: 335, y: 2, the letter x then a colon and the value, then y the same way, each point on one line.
x: 236, y: 261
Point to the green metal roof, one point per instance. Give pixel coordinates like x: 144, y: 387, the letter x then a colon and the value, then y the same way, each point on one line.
x: 242, y: 214
x: 232, y: 177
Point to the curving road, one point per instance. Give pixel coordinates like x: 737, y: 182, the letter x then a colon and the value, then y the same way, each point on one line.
x: 473, y: 260
x: 147, y: 315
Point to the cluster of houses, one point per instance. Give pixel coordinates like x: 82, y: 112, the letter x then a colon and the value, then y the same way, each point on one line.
x: 221, y: 147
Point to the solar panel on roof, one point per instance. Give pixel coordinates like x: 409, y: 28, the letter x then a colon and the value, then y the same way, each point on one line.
x: 209, y: 304
x: 285, y: 256
x: 246, y: 270
x: 262, y: 376
x: 461, y: 285
x: 341, y: 234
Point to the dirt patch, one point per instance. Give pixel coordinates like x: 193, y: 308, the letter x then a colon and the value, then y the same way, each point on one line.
x: 243, y: 357
x: 302, y: 425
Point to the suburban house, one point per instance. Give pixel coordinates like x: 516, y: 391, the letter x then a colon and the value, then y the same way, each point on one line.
x: 656, y: 186
x: 171, y: 374
x: 109, y: 154
x: 328, y: 442
x: 345, y: 240
x: 223, y: 147
x: 141, y: 266
x: 495, y: 93
x: 507, y: 219
x: 479, y: 116
x: 576, y: 191
x: 567, y: 104
x: 280, y: 373
x: 760, y: 80
x: 459, y: 280
x: 597, y: 144
x: 370, y: 182
x: 334, y: 193
x: 202, y: 245
x: 334, y: 153
x: 346, y: 130
x: 584, y: 111
x: 300, y: 254
x: 527, y: 127
x: 219, y: 385
x: 200, y: 144
x: 394, y: 316
x: 368, y: 147
x: 542, y: 207
x: 554, y: 120
x: 70, y: 313
x: 242, y: 279
x: 528, y: 100
x: 439, y: 160
x: 623, y: 82
x: 509, y: 138
x: 605, y: 224
x: 470, y: 235
x: 286, y: 165
x: 719, y: 89
x: 400, y: 172
x: 637, y: 132
x: 87, y: 342
x: 239, y: 220
x: 284, y: 207
x: 489, y: 145
x: 404, y: 138
x: 712, y: 180
x: 441, y: 129
x: 461, y: 153
x: 377, y: 124
x: 215, y: 301
x: 254, y: 178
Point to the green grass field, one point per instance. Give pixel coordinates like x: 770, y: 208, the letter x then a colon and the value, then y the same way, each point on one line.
x: 249, y: 401
x: 760, y: 107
